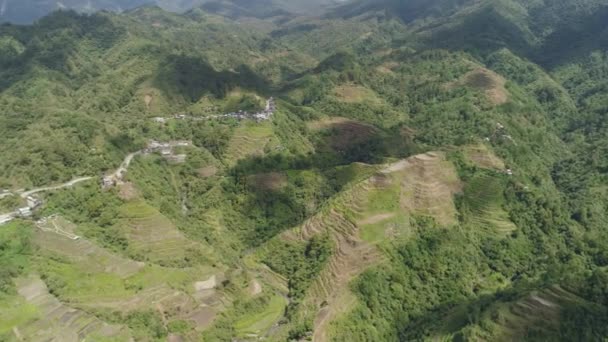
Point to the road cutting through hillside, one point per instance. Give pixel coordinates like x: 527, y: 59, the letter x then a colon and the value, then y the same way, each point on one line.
x: 71, y: 183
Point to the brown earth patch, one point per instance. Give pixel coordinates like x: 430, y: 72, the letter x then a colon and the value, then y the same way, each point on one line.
x: 272, y: 181
x: 148, y: 100
x: 491, y: 83
x: 207, y: 171
x: 482, y: 157
x: 376, y: 218
x: 390, y: 65
x: 343, y: 133
x: 353, y: 93
x: 387, y: 68
x: 255, y: 288
x: 428, y: 185
x: 174, y: 338
x: 203, y: 318
x: 381, y: 180
x: 127, y: 191
x: 384, y: 70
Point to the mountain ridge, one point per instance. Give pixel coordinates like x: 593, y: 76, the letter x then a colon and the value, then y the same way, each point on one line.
x: 455, y: 146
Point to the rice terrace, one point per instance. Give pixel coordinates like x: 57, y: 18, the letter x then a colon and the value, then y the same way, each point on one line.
x: 303, y: 170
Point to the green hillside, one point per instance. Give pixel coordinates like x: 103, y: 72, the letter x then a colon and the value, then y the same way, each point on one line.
x: 289, y: 171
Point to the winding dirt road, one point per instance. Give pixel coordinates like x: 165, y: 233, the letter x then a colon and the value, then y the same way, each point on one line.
x: 71, y: 183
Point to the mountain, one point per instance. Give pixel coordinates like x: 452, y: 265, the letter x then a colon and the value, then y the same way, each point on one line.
x: 247, y: 170
x: 26, y: 11
x: 23, y: 12
x: 409, y: 10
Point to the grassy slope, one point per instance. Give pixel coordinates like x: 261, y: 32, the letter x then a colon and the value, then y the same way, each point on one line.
x: 502, y: 230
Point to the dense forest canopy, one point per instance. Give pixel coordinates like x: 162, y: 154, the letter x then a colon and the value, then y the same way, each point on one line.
x: 285, y: 170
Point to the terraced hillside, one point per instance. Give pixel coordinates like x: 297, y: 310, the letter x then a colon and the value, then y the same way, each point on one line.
x: 428, y: 186
x: 153, y: 237
x: 534, y: 315
x: 370, y: 212
x: 59, y: 322
x: 329, y: 219
x: 250, y: 140
x: 57, y: 236
x: 482, y: 157
x: 484, y: 196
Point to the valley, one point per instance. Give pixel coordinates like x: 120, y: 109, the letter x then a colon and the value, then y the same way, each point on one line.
x: 280, y: 170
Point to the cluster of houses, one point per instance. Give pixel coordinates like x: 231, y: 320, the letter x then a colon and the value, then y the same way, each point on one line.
x: 165, y: 149
x: 32, y: 204
x: 23, y: 212
x: 262, y: 115
x: 500, y: 133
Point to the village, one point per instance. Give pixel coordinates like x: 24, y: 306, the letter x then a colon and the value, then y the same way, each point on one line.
x: 167, y: 150
x: 32, y: 202
x: 262, y: 115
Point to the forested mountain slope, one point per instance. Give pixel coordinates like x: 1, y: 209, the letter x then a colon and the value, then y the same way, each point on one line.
x: 406, y: 170
x: 27, y: 11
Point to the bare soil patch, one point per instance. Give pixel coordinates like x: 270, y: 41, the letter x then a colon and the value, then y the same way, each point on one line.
x: 428, y: 185
x: 203, y: 318
x: 206, y: 284
x: 127, y: 191
x: 148, y: 100
x: 381, y: 180
x: 376, y: 219
x: 388, y: 67
x: 482, y: 157
x: 174, y: 338
x: 352, y: 93
x: 272, y: 181
x: 490, y: 82
x: 207, y: 171
x: 255, y: 288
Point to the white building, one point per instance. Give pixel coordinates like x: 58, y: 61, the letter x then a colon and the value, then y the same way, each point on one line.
x: 107, y: 182
x: 24, y: 212
x: 33, y: 202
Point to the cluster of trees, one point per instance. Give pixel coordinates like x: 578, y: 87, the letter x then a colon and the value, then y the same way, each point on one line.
x: 15, y: 250
x: 72, y: 105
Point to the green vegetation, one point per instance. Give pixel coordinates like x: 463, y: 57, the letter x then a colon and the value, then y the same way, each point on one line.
x: 434, y: 170
x: 298, y: 262
x: 255, y: 322
x: 16, y: 249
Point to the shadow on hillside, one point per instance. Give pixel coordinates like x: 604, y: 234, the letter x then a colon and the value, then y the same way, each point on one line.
x: 53, y: 40
x: 489, y: 30
x: 571, y: 43
x: 445, y: 319
x: 483, y: 32
x: 192, y: 78
x: 450, y: 318
x: 271, y: 210
x: 340, y: 144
